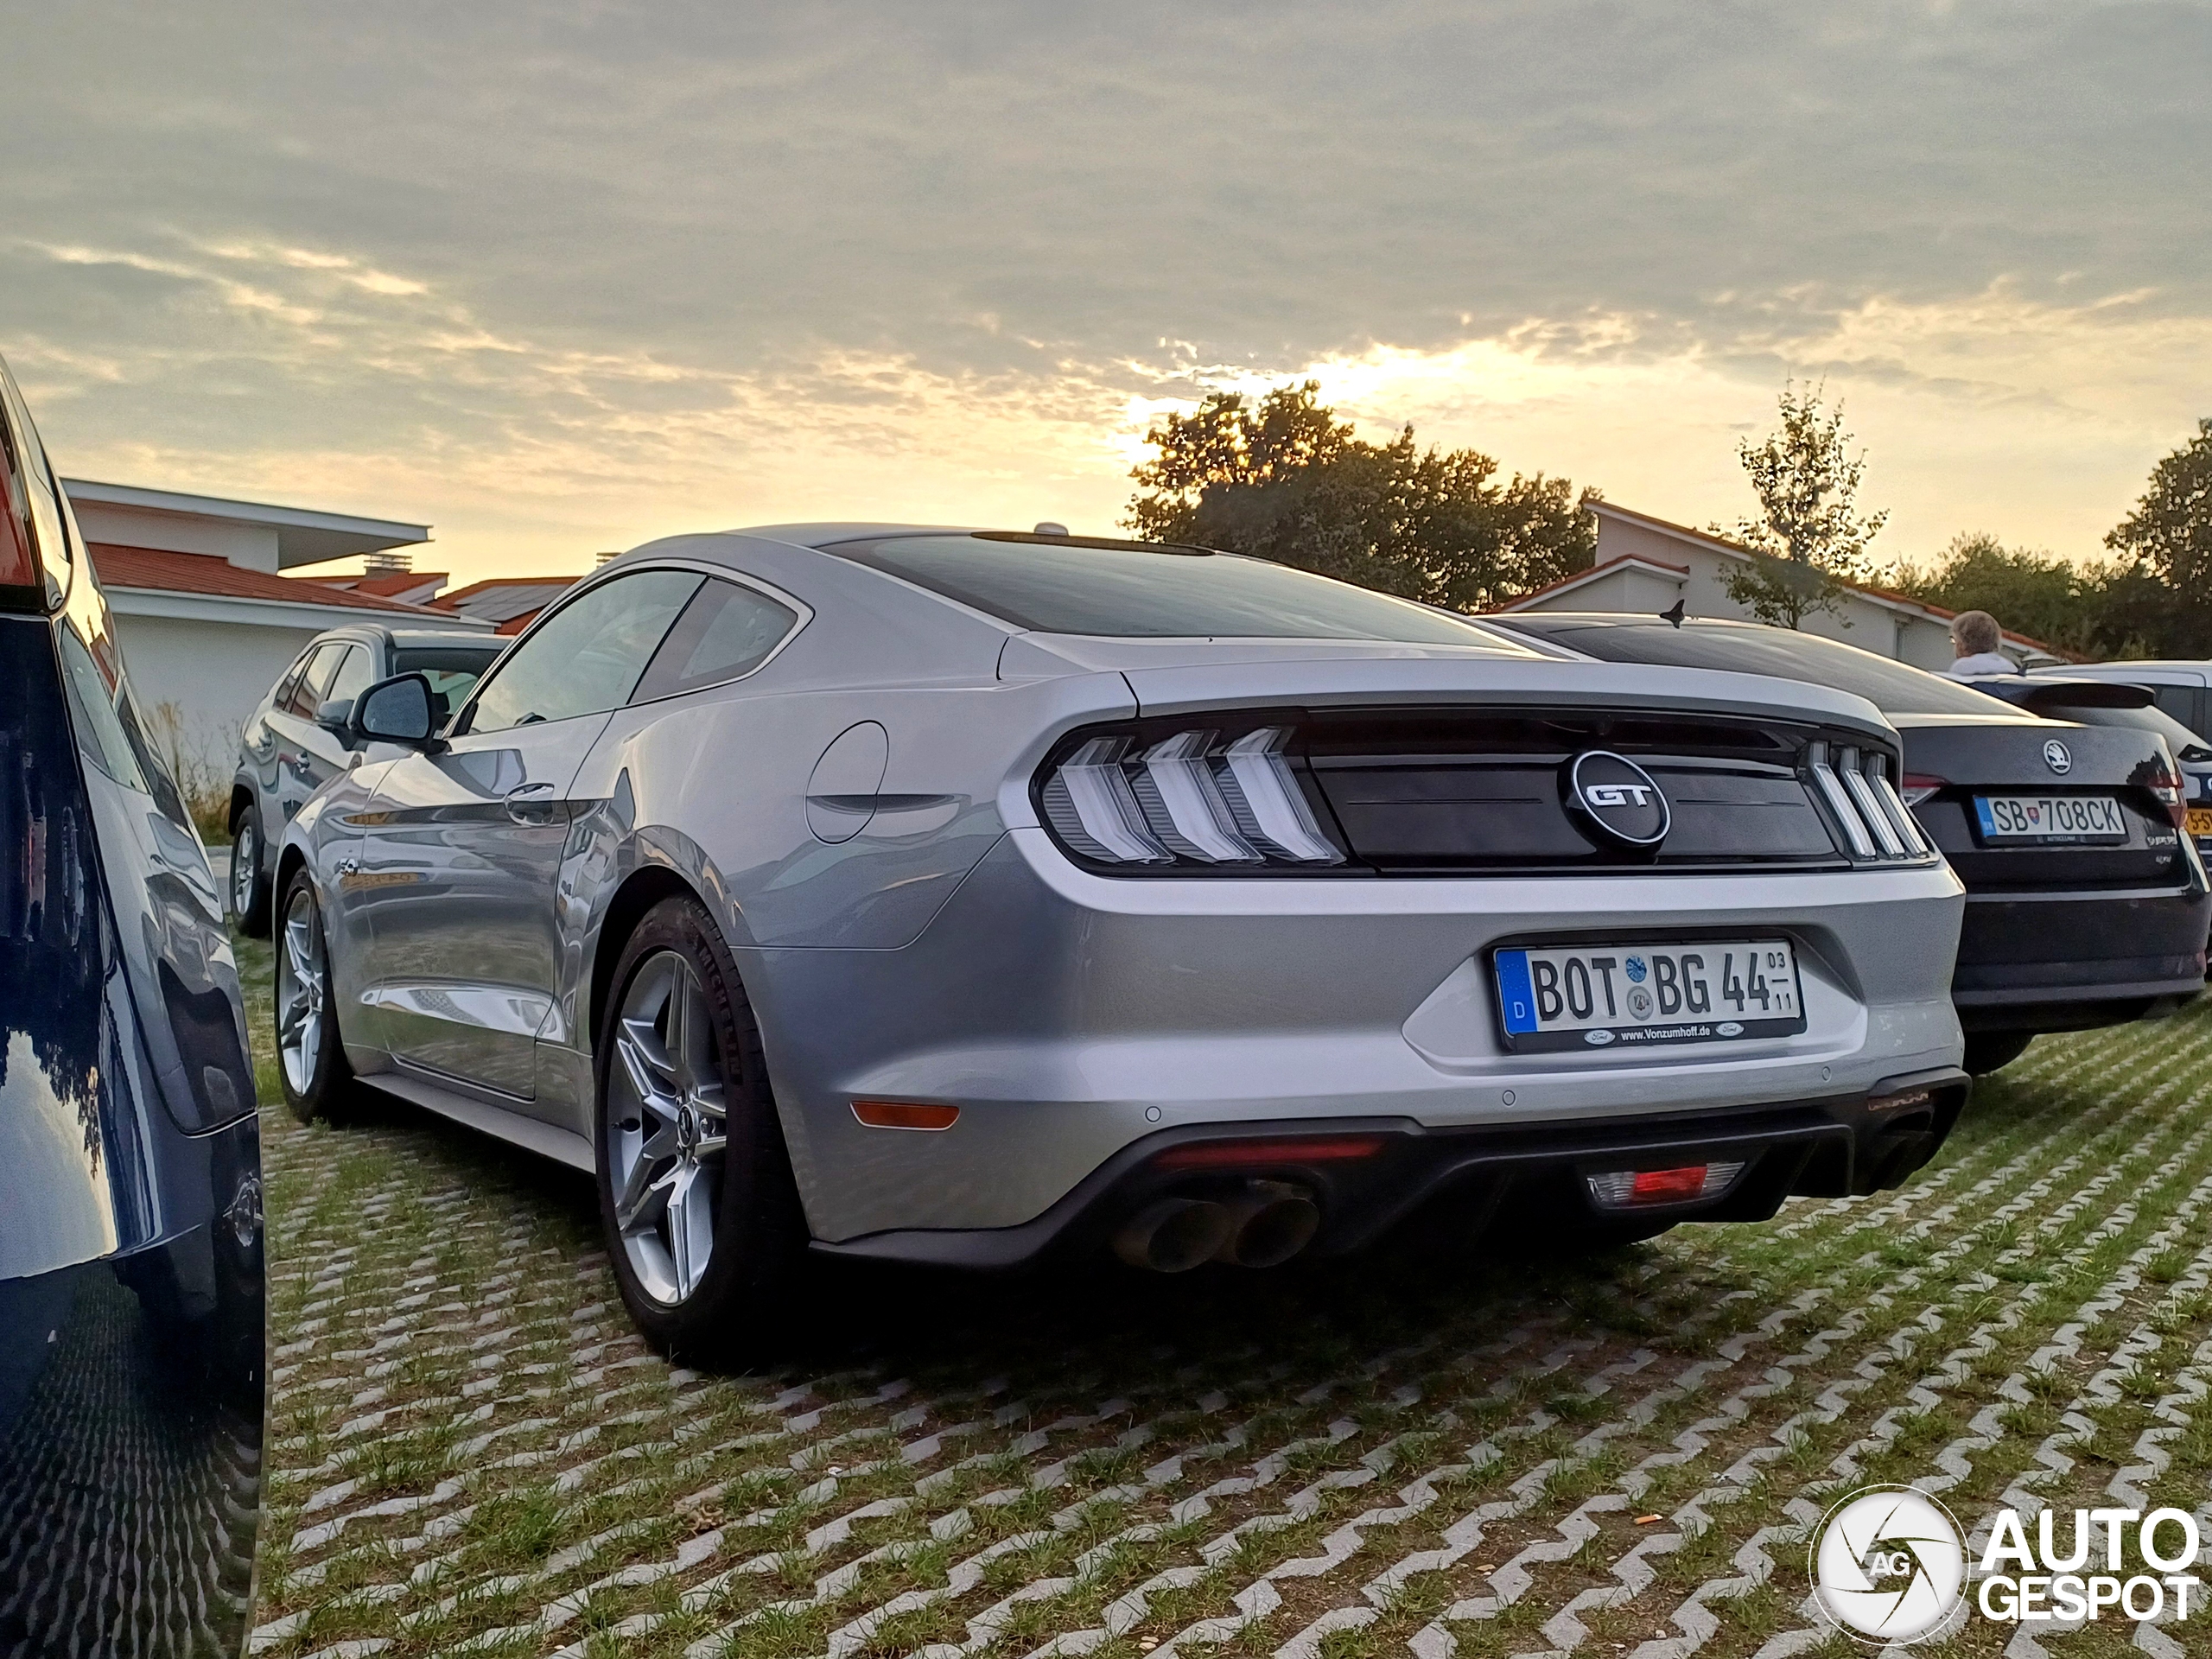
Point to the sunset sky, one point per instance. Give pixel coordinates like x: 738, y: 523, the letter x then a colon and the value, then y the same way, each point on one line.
x: 559, y: 277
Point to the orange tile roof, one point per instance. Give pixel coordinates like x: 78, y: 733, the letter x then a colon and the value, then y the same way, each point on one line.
x: 203, y: 573
x: 387, y: 584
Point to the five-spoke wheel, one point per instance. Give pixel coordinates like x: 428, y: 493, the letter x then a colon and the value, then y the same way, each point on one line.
x: 668, y: 1133
x: 248, y: 882
x: 702, y: 1215
x: 310, y: 1059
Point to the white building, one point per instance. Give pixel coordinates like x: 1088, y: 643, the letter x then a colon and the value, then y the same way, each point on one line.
x: 205, y: 615
x: 1645, y: 564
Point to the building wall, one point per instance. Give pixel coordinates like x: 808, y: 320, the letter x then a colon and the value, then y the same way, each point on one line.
x: 250, y: 547
x: 1923, y: 641
x: 211, y: 673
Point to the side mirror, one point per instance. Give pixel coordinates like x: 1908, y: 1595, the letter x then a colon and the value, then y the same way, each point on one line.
x: 335, y: 717
x: 397, y: 710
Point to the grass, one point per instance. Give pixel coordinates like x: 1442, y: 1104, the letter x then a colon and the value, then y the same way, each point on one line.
x: 940, y: 1464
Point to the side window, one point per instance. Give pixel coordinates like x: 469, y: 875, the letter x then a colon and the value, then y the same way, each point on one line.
x: 2184, y: 702
x: 282, y: 697
x: 724, y: 631
x: 355, y: 675
x: 306, y: 690
x: 586, y: 656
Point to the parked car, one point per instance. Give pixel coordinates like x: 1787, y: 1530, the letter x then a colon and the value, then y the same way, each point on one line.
x: 2121, y: 703
x: 2183, y: 694
x: 294, y: 741
x: 951, y: 896
x: 131, y: 1355
x: 2085, y: 906
x: 2183, y: 689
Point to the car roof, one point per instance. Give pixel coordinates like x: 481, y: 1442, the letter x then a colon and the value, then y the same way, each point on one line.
x: 829, y: 534
x: 2155, y: 671
x: 446, y: 639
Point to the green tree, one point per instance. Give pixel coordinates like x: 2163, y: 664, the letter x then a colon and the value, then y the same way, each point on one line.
x: 2029, y: 592
x: 2101, y: 608
x: 1809, y: 537
x: 2169, y: 538
x: 1286, y: 479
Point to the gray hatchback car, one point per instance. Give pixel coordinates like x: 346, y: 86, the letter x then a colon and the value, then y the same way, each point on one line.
x: 968, y: 898
x: 295, y: 741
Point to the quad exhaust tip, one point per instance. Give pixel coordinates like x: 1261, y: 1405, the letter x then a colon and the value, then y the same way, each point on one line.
x: 1262, y: 1226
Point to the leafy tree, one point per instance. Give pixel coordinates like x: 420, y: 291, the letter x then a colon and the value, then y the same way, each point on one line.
x: 2102, y: 608
x: 2169, y: 537
x: 1286, y: 479
x: 1809, y: 536
x: 2032, y: 593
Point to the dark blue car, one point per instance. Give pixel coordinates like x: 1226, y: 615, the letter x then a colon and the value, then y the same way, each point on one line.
x: 132, y: 1372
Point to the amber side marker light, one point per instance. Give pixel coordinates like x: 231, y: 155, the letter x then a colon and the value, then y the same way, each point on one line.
x: 1223, y: 1154
x: 904, y: 1115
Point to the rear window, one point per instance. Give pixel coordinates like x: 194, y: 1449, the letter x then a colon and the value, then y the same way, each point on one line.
x: 1136, y: 590
x: 2185, y: 743
x: 1895, y: 688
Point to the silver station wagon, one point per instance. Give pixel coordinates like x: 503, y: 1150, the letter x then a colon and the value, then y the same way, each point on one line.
x: 978, y: 898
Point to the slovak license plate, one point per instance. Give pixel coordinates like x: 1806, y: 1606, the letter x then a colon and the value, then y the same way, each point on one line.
x: 1634, y: 996
x: 2049, y: 817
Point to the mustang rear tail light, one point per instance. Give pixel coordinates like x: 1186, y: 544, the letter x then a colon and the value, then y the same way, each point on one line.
x: 1875, y: 821
x: 2172, y: 791
x: 1187, y: 799
x: 1630, y: 1189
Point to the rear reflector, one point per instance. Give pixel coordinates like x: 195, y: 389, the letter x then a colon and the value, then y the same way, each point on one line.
x: 1244, y: 1154
x: 1625, y: 1189
x: 904, y: 1115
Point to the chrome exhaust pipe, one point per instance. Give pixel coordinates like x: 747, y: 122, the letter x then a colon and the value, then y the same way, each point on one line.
x: 1173, y: 1236
x: 1269, y: 1224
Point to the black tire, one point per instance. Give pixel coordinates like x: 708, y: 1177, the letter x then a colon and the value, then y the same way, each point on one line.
x: 1990, y: 1051
x: 318, y: 1082
x: 248, y: 895
x: 740, y: 1300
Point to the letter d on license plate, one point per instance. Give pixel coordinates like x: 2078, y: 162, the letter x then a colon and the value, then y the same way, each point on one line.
x: 1628, y: 996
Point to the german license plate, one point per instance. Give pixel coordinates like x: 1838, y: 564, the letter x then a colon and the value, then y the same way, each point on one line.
x: 1646, y: 996
x: 2199, y: 823
x: 2049, y: 817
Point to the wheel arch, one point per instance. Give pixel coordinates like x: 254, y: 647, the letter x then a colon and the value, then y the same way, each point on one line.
x: 640, y: 891
x: 241, y: 798
x: 288, y: 859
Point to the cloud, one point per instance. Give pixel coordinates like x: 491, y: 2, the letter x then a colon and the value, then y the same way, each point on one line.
x: 561, y: 277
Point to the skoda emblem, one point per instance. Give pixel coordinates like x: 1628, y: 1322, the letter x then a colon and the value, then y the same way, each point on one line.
x: 1618, y: 798
x: 2055, y: 757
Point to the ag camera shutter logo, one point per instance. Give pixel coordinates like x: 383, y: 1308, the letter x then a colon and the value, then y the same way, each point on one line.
x: 1889, y: 1566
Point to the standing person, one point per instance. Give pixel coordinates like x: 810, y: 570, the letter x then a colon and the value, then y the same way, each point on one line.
x: 1975, y: 638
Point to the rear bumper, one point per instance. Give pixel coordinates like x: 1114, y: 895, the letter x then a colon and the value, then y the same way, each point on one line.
x: 1453, y: 1180
x: 1071, y: 1017
x: 2066, y: 962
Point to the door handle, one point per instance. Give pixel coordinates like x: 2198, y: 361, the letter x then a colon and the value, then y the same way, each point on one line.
x: 528, y: 804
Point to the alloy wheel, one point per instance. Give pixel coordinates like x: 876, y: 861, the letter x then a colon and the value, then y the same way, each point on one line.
x: 667, y: 1128
x: 302, y: 988
x: 245, y: 865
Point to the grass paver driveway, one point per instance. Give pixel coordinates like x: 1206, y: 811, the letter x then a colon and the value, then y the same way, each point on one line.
x: 470, y: 1451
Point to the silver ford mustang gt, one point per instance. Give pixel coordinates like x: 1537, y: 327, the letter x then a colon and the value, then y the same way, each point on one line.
x: 960, y: 897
